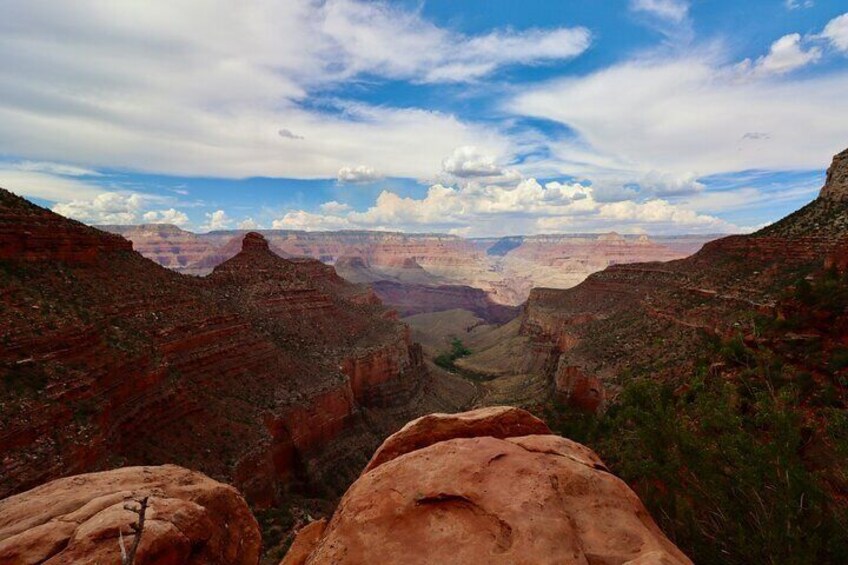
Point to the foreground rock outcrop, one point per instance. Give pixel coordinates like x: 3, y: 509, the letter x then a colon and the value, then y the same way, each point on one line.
x: 488, y: 486
x: 190, y: 519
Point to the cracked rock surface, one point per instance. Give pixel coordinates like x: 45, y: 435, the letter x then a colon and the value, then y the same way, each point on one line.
x: 191, y: 519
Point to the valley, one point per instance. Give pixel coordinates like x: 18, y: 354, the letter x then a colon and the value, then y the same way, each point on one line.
x: 504, y: 269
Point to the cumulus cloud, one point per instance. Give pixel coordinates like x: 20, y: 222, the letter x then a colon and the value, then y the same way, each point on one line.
x: 785, y: 55
x: 333, y: 207
x: 836, y: 32
x: 105, y: 208
x: 169, y: 216
x: 121, y: 208
x: 248, y: 224
x: 359, y: 174
x: 468, y: 161
x: 525, y: 207
x: 302, y: 220
x: 217, y: 220
x: 673, y: 10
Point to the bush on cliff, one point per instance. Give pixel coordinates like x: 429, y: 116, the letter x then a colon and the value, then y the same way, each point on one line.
x: 723, y: 467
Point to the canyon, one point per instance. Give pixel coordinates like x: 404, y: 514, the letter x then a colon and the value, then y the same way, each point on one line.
x: 267, y: 373
x: 702, y: 374
x: 504, y: 269
x: 707, y: 374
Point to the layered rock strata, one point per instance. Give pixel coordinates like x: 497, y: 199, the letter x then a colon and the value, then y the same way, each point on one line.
x: 250, y: 375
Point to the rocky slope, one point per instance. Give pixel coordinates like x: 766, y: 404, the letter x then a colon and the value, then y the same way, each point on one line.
x: 457, y: 489
x: 190, y: 519
x: 623, y: 316
x: 267, y: 373
x: 411, y: 299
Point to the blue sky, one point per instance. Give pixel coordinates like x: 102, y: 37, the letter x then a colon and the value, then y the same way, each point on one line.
x: 481, y: 117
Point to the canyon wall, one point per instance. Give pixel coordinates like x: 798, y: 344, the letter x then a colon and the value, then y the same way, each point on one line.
x: 249, y: 374
x: 504, y: 268
x: 410, y: 299
x: 627, y: 316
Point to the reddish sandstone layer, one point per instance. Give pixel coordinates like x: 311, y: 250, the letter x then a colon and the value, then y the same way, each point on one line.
x: 596, y: 252
x: 109, y: 359
x: 627, y: 315
x: 190, y: 519
x: 464, y: 497
x: 505, y: 269
x: 166, y: 244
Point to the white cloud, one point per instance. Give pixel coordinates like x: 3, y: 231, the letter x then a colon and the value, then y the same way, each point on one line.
x: 796, y: 4
x: 301, y: 220
x: 526, y: 207
x: 673, y: 10
x: 333, y: 207
x: 469, y: 161
x: 378, y: 38
x: 836, y: 31
x: 217, y: 220
x: 248, y: 224
x: 169, y: 216
x: 105, y: 208
x: 121, y: 208
x: 213, y: 88
x: 662, y: 184
x: 785, y: 55
x: 60, y: 169
x: 359, y: 174
x: 35, y: 184
x: 687, y: 115
x: 476, y: 57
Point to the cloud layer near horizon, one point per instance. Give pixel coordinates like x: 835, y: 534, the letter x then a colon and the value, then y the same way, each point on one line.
x: 220, y: 89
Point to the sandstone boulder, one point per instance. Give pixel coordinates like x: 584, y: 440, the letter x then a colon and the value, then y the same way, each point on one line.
x: 466, y: 489
x: 304, y: 543
x: 495, y: 421
x: 191, y: 519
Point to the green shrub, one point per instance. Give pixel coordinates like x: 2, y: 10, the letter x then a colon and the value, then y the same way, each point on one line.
x: 446, y: 360
x: 723, y: 475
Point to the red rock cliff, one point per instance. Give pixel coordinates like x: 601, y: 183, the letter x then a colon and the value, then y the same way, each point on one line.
x: 109, y: 359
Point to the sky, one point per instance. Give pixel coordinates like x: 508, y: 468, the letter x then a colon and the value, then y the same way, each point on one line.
x: 476, y: 118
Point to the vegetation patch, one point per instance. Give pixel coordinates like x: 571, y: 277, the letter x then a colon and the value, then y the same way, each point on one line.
x: 448, y: 359
x: 733, y: 470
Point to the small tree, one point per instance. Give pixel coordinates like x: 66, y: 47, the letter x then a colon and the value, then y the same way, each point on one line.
x: 128, y: 556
